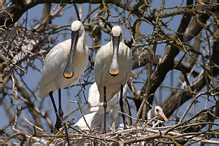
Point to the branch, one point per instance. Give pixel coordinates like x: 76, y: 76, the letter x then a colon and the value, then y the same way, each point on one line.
x: 30, y: 104
x: 11, y: 14
x: 196, y: 25
x: 171, y: 103
x: 167, y: 61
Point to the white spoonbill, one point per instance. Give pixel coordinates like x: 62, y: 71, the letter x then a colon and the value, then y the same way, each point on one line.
x: 94, y: 120
x: 112, y: 68
x: 156, y: 112
x: 113, y: 108
x: 64, y: 65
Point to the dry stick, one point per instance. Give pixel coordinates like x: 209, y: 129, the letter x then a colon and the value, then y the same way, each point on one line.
x: 16, y: 97
x: 33, y: 125
x: 183, y: 122
x: 50, y: 17
x: 89, y: 14
x: 80, y: 11
x: 129, y: 111
x: 205, y: 75
x: 200, y: 94
x: 71, y: 112
x: 44, y: 141
x: 159, y: 134
x: 188, y: 108
x: 126, y: 115
x: 81, y: 112
x: 14, y: 135
x: 102, y: 138
x: 77, y: 12
x: 151, y: 51
x: 152, y: 46
x: 66, y: 131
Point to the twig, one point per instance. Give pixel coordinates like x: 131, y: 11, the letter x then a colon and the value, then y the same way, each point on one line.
x: 81, y: 112
x: 33, y: 125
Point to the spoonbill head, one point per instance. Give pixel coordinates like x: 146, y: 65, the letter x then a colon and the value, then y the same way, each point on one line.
x: 157, y: 111
x: 116, y: 38
x: 64, y: 65
x: 78, y: 32
x: 112, y: 68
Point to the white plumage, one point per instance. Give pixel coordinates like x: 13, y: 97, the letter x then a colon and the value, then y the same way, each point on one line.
x: 156, y: 112
x: 94, y: 103
x: 95, y: 118
x: 56, y: 60
x: 64, y: 65
x: 113, y: 65
x: 113, y: 107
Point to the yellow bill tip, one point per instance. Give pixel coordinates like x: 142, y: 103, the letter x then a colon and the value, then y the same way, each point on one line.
x: 68, y: 75
x: 114, y: 73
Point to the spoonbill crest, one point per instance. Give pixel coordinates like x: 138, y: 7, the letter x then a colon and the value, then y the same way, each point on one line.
x: 156, y: 112
x: 64, y: 65
x: 112, y: 68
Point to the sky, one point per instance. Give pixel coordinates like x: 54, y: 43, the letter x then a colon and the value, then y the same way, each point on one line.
x: 32, y: 77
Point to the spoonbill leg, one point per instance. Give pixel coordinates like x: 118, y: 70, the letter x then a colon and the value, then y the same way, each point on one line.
x: 58, y: 120
x: 121, y: 106
x: 104, y: 106
x: 60, y: 106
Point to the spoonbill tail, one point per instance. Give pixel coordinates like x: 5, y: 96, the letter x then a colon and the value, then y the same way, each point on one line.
x: 156, y: 112
x: 64, y: 65
x: 112, y: 68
